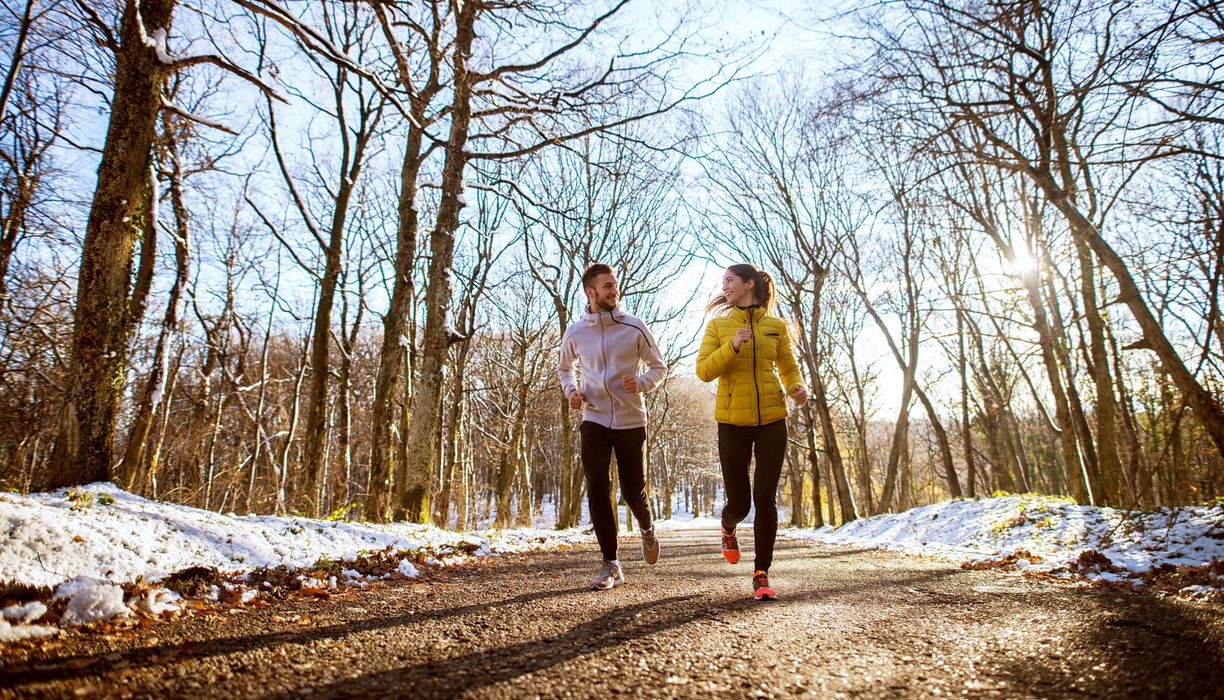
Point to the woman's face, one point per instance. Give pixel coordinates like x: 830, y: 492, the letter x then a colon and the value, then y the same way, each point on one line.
x: 736, y: 290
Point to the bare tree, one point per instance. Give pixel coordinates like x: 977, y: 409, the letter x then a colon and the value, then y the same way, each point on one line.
x: 784, y: 194
x: 122, y: 213
x: 357, y: 110
x: 516, y: 114
x: 1025, y: 88
x: 419, y: 63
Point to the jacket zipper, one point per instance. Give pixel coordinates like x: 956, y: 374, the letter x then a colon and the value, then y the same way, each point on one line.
x: 755, y: 387
x: 603, y: 352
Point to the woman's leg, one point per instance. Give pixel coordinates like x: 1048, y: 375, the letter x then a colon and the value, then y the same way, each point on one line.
x: 735, y: 453
x: 770, y: 453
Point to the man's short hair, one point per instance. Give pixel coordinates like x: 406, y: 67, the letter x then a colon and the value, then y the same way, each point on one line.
x: 594, y: 270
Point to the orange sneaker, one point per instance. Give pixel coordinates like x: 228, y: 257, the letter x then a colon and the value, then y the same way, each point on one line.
x: 760, y: 587
x: 731, y: 550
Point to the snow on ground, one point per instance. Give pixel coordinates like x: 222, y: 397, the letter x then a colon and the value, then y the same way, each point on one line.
x: 103, y: 550
x: 88, y: 541
x: 1046, y: 536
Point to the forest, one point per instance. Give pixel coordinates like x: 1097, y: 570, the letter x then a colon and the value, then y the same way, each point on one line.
x: 317, y: 257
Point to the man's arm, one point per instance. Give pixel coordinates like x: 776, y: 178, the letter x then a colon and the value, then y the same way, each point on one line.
x: 656, y: 367
x: 565, y: 366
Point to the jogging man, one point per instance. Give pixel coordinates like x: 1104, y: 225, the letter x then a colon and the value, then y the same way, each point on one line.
x: 609, y: 347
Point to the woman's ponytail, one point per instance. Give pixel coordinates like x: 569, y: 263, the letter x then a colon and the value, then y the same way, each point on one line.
x: 767, y: 295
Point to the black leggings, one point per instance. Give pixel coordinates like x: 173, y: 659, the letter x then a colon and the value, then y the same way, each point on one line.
x: 598, y: 443
x: 736, y: 444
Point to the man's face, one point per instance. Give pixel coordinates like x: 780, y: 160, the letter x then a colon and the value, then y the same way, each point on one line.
x: 604, y: 294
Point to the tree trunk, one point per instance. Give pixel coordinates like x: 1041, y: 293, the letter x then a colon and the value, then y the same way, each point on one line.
x: 84, y: 450
x: 941, y: 439
x: 413, y: 491
x: 153, y: 456
x: 313, y: 448
x: 395, y: 346
x: 1109, y: 467
x: 344, y: 403
x: 966, y: 426
x: 509, y: 464
x: 814, y: 462
x: 828, y: 432
x: 794, y: 470
x: 453, y: 454
x: 282, y: 502
x: 155, y: 387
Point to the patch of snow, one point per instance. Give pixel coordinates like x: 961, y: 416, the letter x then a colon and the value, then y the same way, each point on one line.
x: 120, y: 537
x: 1044, y: 534
x: 155, y: 601
x: 24, y: 614
x: 16, y: 633
x: 91, y: 600
x: 407, y: 569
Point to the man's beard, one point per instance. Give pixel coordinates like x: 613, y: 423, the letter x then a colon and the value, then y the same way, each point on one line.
x: 605, y: 305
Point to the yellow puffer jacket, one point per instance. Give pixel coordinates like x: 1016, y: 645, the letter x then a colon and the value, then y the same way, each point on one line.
x: 749, y: 391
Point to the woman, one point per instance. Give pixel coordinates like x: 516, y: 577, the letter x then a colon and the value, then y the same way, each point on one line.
x: 746, y: 347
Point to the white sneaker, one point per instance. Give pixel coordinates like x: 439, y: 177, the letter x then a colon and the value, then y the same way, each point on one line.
x: 610, y: 576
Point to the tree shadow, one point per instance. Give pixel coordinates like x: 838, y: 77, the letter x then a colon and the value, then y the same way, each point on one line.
x: 453, y: 675
x: 1137, y: 645
x: 82, y: 665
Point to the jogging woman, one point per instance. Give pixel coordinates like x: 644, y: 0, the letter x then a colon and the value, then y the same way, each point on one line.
x: 748, y: 349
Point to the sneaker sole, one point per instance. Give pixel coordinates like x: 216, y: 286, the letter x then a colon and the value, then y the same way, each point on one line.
x: 651, y: 557
x: 608, y: 587
x: 764, y: 593
x: 731, y: 555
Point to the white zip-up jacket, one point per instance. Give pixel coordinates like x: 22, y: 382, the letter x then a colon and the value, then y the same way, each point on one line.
x: 607, y: 347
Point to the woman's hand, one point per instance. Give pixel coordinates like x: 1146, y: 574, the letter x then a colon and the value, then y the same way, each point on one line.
x: 742, y: 336
x: 799, y: 394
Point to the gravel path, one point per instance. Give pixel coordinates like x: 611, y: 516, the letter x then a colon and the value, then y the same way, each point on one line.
x: 849, y: 624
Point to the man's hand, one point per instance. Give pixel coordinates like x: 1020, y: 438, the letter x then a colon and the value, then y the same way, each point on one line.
x: 630, y: 384
x: 799, y: 394
x: 742, y: 336
x: 576, y: 399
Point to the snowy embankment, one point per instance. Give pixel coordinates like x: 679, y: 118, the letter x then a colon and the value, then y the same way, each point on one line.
x: 103, y: 552
x: 1173, y: 549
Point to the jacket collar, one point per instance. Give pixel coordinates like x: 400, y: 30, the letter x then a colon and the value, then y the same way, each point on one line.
x: 603, y: 317
x: 743, y: 314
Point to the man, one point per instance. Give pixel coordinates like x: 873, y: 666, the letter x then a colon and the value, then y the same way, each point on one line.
x: 609, y: 347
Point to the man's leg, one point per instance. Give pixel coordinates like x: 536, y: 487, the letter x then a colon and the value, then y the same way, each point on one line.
x: 630, y: 467
x: 770, y: 453
x: 596, y: 461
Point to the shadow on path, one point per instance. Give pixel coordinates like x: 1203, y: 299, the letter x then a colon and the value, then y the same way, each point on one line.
x: 67, y: 667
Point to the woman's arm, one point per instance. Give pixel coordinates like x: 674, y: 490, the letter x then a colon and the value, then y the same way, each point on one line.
x: 788, y: 367
x: 713, y: 357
